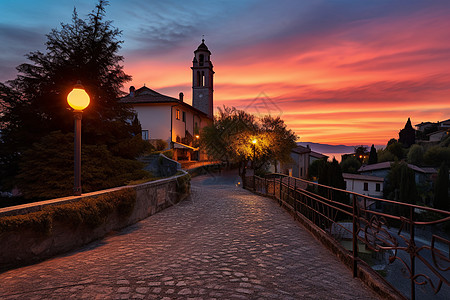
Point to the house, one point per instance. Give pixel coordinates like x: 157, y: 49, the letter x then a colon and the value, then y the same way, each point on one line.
x: 364, y: 184
x: 172, y: 119
x: 302, y: 158
x: 437, y: 136
x: 421, y: 175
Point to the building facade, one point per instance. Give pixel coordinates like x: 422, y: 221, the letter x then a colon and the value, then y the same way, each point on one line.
x: 172, y: 120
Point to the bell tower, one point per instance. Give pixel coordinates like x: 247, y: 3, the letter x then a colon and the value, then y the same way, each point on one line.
x: 202, y: 80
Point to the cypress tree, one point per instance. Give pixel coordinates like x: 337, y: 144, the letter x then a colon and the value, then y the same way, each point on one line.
x: 373, y: 156
x: 441, y: 199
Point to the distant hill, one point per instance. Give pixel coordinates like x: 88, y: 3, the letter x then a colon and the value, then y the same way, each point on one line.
x: 327, y: 149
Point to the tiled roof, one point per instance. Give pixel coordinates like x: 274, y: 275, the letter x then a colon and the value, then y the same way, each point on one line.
x: 362, y: 177
x: 387, y: 165
x: 144, y: 95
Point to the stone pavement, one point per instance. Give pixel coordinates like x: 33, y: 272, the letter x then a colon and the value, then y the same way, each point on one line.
x: 221, y: 243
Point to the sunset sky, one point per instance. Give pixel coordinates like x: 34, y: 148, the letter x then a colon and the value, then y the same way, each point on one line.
x: 338, y: 72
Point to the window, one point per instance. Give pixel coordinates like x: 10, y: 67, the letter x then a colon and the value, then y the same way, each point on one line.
x: 202, y: 59
x: 198, y: 78
x: 378, y: 187
x: 366, y: 186
x: 145, y: 135
x: 178, y: 114
x: 203, y: 79
x: 184, y: 116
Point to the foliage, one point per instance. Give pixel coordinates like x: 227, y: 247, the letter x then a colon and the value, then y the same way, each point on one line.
x: 436, y: 155
x: 407, y: 136
x: 46, y: 170
x: 230, y: 138
x: 330, y: 174
x: 415, y: 155
x: 34, y: 104
x: 350, y: 165
x: 385, y: 155
x: 441, y: 198
x: 373, y: 156
x: 361, y: 153
x: 396, y: 149
x: 160, y: 145
x: 408, y: 190
x: 90, y: 212
x: 314, y: 168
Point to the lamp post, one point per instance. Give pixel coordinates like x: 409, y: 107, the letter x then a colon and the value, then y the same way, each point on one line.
x: 254, y: 152
x: 78, y: 99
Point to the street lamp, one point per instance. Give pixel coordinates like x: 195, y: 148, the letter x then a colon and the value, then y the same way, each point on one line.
x: 78, y: 99
x: 254, y: 151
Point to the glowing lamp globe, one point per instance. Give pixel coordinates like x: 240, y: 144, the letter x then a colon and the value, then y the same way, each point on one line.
x: 78, y: 99
x: 254, y: 141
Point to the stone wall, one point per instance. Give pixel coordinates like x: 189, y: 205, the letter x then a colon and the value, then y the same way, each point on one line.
x: 28, y: 245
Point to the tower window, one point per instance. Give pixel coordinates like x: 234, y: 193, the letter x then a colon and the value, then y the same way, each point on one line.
x: 145, y: 135
x: 203, y: 79
x: 177, y: 114
x: 201, y: 59
x: 199, y: 79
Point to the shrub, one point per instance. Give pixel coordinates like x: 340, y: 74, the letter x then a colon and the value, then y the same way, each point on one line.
x: 90, y: 212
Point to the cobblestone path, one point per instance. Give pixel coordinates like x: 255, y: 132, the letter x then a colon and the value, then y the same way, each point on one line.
x: 223, y: 242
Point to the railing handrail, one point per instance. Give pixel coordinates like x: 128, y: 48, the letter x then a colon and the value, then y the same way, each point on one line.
x: 366, y: 196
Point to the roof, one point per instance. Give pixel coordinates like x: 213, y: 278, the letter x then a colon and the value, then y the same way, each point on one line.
x: 303, y: 150
x: 202, y: 47
x: 144, y: 95
x: 362, y: 177
x: 387, y: 165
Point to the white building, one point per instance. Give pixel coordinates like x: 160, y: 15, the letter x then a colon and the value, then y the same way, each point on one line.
x: 172, y: 120
x: 302, y: 158
x: 364, y: 184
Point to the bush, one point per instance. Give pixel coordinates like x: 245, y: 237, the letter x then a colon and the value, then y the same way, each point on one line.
x: 90, y: 212
x: 160, y: 145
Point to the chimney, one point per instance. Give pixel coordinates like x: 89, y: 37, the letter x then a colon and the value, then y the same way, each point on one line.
x: 132, y: 89
x: 181, y: 96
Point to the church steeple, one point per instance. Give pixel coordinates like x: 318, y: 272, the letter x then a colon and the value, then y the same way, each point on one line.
x: 202, y: 80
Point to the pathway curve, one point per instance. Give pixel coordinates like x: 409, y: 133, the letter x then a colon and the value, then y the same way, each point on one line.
x: 223, y: 242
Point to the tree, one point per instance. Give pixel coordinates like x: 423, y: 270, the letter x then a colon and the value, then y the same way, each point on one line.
x: 34, y: 104
x: 396, y: 149
x: 441, y: 198
x: 415, y: 155
x: 230, y: 138
x: 435, y: 156
x: 51, y: 161
x: 282, y: 140
x: 330, y: 174
x: 350, y: 165
x: 361, y: 153
x: 408, y: 190
x: 373, y: 157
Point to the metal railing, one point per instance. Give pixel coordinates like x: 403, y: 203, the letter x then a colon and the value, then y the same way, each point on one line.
x: 405, y: 238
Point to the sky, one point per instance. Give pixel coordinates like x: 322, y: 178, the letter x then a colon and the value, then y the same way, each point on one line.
x: 337, y: 72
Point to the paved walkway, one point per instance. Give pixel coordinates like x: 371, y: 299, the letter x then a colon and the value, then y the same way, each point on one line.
x: 223, y: 243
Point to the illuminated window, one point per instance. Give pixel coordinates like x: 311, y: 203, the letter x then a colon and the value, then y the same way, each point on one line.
x: 203, y: 83
x: 366, y: 186
x: 178, y: 114
x: 145, y: 135
x: 378, y: 187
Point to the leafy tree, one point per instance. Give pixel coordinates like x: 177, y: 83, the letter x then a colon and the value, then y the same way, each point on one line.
x: 396, y: 149
x: 330, y: 174
x: 385, y: 155
x: 230, y: 138
x: 407, y: 136
x: 361, y: 153
x: 415, y: 155
x: 34, y: 104
x: 373, y: 157
x: 314, y: 168
x: 350, y: 165
x: 282, y: 140
x: 436, y: 155
x: 441, y: 198
x: 391, y: 141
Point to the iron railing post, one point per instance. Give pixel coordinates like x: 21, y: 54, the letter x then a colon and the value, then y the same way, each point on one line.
x: 355, y: 239
x: 411, y: 254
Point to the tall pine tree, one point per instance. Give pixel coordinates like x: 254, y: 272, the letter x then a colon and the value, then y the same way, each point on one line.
x: 34, y: 104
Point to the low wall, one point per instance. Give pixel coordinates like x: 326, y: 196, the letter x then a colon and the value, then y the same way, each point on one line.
x: 35, y: 231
